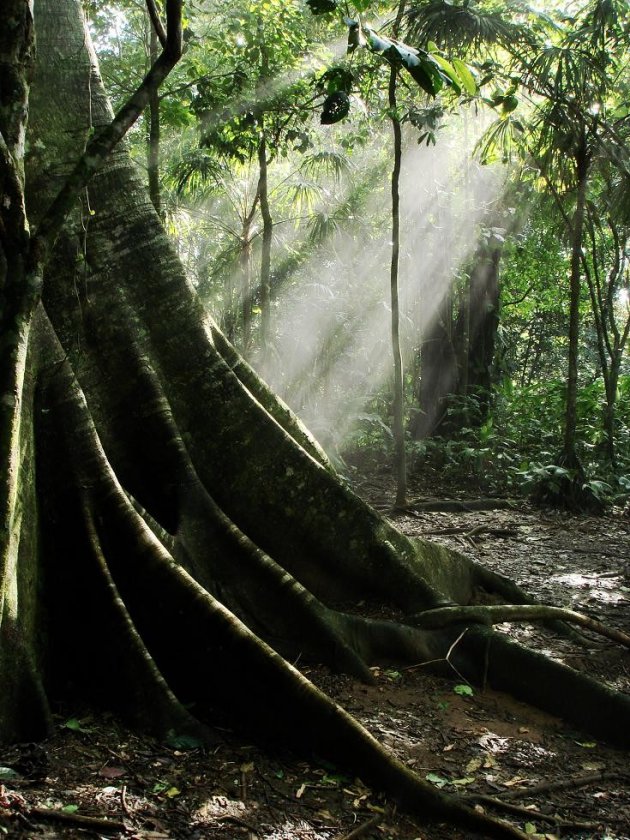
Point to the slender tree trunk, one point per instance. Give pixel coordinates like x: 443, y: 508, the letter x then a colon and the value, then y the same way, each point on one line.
x: 267, y: 235
x: 569, y: 450
x: 245, y: 272
x: 398, y: 403
x: 265, y: 210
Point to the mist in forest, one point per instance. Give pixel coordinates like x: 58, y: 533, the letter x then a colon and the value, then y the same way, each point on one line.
x: 331, y: 347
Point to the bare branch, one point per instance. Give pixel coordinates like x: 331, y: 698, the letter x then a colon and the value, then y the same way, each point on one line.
x: 157, y: 23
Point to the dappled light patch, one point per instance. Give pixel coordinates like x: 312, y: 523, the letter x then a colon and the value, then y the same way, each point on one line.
x: 602, y: 586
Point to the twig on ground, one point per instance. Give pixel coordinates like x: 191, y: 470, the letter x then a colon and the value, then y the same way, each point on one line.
x: 101, y: 824
x: 238, y: 821
x: 123, y: 802
x: 363, y: 828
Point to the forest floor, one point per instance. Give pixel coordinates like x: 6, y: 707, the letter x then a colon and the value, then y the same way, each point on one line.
x: 471, y: 742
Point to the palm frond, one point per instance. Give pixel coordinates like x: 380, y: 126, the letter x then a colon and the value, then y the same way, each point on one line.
x: 464, y: 26
x: 331, y: 163
x: 196, y: 169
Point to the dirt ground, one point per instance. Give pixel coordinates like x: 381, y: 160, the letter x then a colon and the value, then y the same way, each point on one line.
x: 93, y: 778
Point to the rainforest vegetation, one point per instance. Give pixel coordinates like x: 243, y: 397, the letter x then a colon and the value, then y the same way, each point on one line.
x: 250, y: 251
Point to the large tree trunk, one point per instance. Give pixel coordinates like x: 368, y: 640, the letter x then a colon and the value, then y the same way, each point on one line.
x: 187, y: 533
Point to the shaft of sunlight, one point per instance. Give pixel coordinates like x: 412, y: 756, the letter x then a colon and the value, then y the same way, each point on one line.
x: 332, y: 335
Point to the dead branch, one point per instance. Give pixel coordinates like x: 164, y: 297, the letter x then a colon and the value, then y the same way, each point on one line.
x: 101, y: 824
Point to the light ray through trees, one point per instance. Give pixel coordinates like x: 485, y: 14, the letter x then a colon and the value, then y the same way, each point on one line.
x: 332, y: 322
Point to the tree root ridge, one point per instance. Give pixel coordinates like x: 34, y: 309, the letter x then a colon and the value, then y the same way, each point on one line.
x: 157, y: 608
x: 499, y: 614
x: 552, y: 686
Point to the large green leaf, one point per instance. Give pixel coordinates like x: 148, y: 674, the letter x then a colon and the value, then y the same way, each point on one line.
x: 449, y: 71
x: 465, y: 76
x: 420, y: 65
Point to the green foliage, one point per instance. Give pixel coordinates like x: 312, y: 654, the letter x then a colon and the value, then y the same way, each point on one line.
x: 271, y: 71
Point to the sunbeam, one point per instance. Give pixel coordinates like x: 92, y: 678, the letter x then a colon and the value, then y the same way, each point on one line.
x: 332, y: 347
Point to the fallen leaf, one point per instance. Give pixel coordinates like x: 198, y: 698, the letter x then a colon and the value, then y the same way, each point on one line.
x: 594, y: 766
x: 474, y: 764
x: 300, y: 791
x: 172, y: 792
x: 515, y: 780
x: 438, y: 781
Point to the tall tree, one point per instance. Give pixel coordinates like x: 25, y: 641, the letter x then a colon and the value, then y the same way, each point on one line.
x: 572, y: 65
x: 163, y: 514
x: 400, y: 460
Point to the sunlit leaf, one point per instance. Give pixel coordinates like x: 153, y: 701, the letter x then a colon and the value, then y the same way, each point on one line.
x: 465, y: 76
x: 449, y: 71
x: 438, y: 781
x: 463, y: 690
x: 75, y: 725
